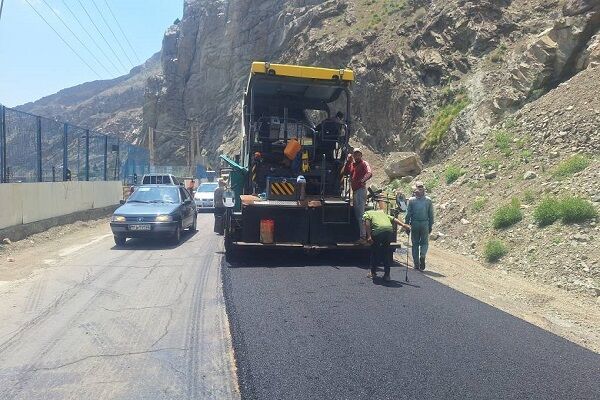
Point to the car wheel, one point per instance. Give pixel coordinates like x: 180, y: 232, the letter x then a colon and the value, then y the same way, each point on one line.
x: 176, y: 238
x: 194, y: 226
x: 120, y: 240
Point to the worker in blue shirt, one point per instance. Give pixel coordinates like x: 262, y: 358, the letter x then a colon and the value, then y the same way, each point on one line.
x: 419, y: 215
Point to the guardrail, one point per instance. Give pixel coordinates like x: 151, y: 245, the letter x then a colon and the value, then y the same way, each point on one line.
x: 39, y: 149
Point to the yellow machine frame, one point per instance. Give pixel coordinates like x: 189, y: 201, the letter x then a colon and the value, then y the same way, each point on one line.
x: 298, y: 71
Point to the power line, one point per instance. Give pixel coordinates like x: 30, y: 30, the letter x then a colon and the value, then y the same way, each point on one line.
x: 112, y: 32
x: 121, y: 29
x: 90, y: 36
x: 1, y: 7
x: 101, y: 34
x: 63, y: 39
x: 76, y: 37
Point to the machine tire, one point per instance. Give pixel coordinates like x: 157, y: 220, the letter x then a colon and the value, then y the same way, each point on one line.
x: 120, y: 240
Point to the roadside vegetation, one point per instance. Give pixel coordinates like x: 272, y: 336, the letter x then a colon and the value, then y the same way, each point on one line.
x: 568, y: 209
x: 494, y: 250
x: 570, y: 166
x: 479, y: 203
x: 443, y: 119
x: 502, y: 141
x: 507, y: 215
x: 452, y: 173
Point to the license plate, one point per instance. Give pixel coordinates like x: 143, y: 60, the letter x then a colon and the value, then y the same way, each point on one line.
x: 139, y: 227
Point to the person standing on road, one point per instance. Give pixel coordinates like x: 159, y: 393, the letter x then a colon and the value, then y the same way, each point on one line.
x: 419, y: 215
x: 380, y: 232
x: 219, y: 206
x: 360, y: 172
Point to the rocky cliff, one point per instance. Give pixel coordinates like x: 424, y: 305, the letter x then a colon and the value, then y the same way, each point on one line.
x: 413, y: 58
x: 110, y: 106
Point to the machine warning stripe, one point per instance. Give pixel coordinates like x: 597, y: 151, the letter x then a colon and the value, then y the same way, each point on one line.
x: 275, y: 188
x: 282, y: 188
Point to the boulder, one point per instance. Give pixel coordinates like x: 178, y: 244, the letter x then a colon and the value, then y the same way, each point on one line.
x: 401, y: 164
x: 490, y: 175
x: 529, y: 175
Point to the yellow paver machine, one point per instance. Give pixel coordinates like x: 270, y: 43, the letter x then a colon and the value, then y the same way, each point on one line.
x: 288, y: 185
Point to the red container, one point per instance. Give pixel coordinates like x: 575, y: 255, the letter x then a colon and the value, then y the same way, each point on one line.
x: 267, y: 231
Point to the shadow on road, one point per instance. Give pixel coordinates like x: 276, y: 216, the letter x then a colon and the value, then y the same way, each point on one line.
x: 154, y: 243
x: 433, y: 274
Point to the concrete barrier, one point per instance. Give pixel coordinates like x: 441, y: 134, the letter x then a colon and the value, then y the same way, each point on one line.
x: 26, y: 203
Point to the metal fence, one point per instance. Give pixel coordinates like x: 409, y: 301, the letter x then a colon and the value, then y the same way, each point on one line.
x: 38, y: 149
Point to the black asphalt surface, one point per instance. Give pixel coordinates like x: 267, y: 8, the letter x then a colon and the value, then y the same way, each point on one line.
x: 317, y: 329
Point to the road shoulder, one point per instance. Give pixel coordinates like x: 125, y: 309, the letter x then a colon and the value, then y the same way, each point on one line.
x: 575, y: 318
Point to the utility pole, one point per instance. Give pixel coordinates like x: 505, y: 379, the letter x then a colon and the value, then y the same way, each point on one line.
x: 151, y: 144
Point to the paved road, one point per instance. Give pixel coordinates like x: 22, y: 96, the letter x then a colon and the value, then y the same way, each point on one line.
x: 143, y: 322
x: 319, y: 330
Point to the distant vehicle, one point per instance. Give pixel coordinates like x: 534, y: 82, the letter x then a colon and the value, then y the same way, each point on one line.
x: 154, y: 211
x: 204, y: 196
x: 160, y: 179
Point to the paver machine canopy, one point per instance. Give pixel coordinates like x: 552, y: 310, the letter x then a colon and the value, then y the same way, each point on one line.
x: 291, y: 128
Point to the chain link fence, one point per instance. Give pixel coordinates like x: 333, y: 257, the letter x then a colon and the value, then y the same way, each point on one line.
x: 38, y: 149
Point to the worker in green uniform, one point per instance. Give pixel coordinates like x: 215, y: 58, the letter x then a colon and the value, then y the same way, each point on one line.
x: 419, y: 215
x: 380, y: 233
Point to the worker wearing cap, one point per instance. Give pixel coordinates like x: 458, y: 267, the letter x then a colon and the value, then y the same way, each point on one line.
x: 380, y: 233
x: 419, y: 215
x: 360, y: 172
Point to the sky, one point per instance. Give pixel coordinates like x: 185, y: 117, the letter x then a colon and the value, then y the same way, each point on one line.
x: 34, y: 62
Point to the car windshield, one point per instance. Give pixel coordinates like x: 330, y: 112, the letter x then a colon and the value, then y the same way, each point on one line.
x: 207, y: 187
x: 155, y: 195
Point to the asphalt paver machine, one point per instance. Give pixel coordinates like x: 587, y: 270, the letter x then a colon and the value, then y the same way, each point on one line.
x: 288, y: 183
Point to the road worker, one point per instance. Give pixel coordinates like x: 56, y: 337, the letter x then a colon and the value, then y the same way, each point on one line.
x: 380, y: 233
x: 360, y: 172
x: 219, y: 204
x: 419, y: 215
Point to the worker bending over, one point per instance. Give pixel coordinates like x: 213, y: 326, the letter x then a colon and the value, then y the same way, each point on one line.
x: 419, y: 215
x: 380, y: 233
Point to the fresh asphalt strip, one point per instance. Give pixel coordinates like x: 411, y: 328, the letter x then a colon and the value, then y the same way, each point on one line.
x: 317, y: 328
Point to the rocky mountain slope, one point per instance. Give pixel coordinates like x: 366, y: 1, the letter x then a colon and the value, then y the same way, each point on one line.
x: 111, y: 106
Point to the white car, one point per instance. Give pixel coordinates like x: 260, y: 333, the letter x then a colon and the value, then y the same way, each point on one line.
x: 205, y: 196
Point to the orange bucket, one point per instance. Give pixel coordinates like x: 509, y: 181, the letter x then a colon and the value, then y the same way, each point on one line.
x: 267, y: 231
x: 292, y: 148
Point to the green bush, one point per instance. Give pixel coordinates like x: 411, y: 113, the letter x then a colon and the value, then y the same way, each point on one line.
x: 568, y: 209
x: 494, y: 250
x: 490, y: 163
x: 432, y: 183
x: 507, y: 215
x: 479, y: 203
x: 452, y: 173
x: 547, y: 212
x: 502, y: 141
x: 576, y: 209
x: 442, y: 121
x: 526, y: 155
x: 571, y: 166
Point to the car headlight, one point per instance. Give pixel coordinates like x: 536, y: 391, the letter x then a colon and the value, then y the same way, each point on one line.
x: 164, y: 218
x: 118, y: 218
